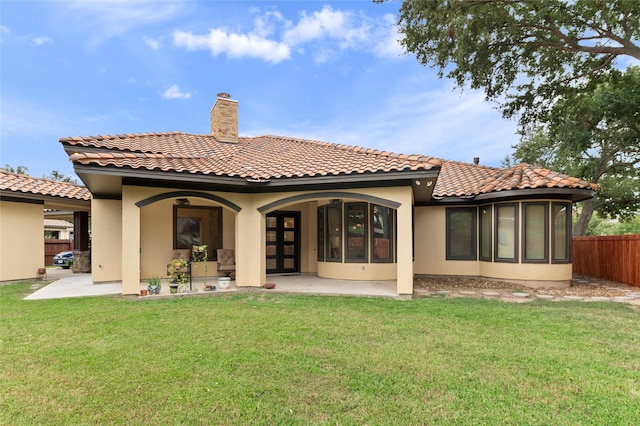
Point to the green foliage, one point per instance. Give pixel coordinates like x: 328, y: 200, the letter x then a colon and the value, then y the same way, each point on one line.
x: 521, y: 53
x: 297, y: 360
x: 603, y: 226
x: 54, y: 175
x: 178, y: 272
x: 593, y: 132
x: 21, y: 170
x: 60, y: 177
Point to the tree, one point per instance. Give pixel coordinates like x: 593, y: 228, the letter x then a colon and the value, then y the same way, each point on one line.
x: 54, y: 175
x: 61, y: 177
x: 600, y: 226
x: 535, y: 58
x: 593, y: 132
x: 21, y: 170
x: 523, y: 53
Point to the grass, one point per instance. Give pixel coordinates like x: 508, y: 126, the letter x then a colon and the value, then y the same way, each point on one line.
x: 291, y: 359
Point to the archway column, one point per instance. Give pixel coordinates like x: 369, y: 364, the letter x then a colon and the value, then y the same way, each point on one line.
x: 250, y: 251
x: 405, y: 244
x: 130, y: 246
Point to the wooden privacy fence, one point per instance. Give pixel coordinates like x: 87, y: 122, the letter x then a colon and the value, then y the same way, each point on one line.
x: 614, y: 258
x: 53, y: 247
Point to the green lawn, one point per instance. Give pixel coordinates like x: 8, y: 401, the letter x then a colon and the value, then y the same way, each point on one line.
x: 287, y: 359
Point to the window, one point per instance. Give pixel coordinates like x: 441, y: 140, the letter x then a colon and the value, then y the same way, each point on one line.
x: 461, y: 233
x: 321, y: 234
x: 197, y: 226
x: 334, y: 233
x: 51, y: 235
x: 383, y: 224
x: 506, y: 237
x: 561, y: 232
x: 368, y: 236
x: 356, y: 232
x: 535, y: 233
x: 485, y: 232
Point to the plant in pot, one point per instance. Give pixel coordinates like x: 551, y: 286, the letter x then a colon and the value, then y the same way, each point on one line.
x: 154, y: 284
x: 177, y: 275
x: 200, y: 253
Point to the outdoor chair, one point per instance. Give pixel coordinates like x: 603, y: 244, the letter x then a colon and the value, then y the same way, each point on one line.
x: 226, y: 261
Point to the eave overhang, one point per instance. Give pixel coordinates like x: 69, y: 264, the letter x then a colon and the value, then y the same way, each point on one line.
x: 573, y: 194
x: 48, y: 201
x: 107, y: 182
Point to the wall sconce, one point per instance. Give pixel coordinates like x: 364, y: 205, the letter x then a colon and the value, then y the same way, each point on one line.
x: 183, y: 201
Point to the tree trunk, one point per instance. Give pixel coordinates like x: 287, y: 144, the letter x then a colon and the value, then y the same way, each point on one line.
x: 580, y: 227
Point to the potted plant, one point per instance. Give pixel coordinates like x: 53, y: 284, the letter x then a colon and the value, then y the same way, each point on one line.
x: 154, y: 285
x: 177, y: 275
x: 200, y: 253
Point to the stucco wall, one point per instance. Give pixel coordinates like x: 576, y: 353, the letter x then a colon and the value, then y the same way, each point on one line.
x: 106, y: 240
x: 430, y: 255
x: 156, y: 237
x: 21, y: 240
x: 402, y: 270
x: 145, y: 249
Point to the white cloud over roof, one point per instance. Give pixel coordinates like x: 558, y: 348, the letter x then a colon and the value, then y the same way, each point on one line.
x: 322, y: 33
x: 154, y: 44
x: 39, y: 41
x: 233, y: 45
x: 174, y: 92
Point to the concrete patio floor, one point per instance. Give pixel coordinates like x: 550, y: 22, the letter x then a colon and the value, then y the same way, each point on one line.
x: 66, y: 284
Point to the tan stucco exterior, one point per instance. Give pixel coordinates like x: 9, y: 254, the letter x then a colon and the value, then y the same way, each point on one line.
x: 430, y: 256
x: 147, y: 245
x: 106, y: 244
x: 21, y: 240
x: 131, y: 243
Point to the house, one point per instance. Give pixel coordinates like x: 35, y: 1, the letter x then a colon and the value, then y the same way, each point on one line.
x: 288, y: 205
x: 58, y: 229
x: 23, y: 201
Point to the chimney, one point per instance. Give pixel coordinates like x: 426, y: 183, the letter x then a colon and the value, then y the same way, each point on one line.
x: 224, y: 119
x: 476, y: 160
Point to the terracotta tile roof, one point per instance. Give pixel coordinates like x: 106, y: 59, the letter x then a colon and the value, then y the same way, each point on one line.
x: 467, y: 180
x: 264, y: 158
x: 12, y: 182
x: 253, y: 158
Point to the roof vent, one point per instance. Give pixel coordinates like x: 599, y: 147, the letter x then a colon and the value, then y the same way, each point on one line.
x: 476, y: 160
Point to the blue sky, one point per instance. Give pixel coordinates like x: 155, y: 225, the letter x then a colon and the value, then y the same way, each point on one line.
x: 325, y: 70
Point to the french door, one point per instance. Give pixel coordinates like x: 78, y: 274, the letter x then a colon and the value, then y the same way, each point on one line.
x: 283, y: 242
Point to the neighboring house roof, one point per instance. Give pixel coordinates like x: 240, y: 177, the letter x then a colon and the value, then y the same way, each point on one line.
x: 270, y: 158
x: 17, y: 184
x: 53, y: 195
x: 253, y: 158
x: 57, y: 223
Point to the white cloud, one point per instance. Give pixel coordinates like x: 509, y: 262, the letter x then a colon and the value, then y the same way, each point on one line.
x: 106, y: 19
x: 322, y: 34
x: 39, y: 41
x: 326, y: 23
x: 233, y: 45
x: 3, y: 30
x: 386, y: 39
x: 174, y: 92
x: 154, y: 44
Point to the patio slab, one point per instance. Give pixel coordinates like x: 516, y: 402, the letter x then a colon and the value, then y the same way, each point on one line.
x: 75, y: 285
x: 79, y: 285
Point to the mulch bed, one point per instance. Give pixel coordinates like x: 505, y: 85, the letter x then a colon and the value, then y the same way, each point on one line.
x: 582, y: 286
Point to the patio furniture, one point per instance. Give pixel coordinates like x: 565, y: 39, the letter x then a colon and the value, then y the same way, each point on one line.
x: 226, y: 261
